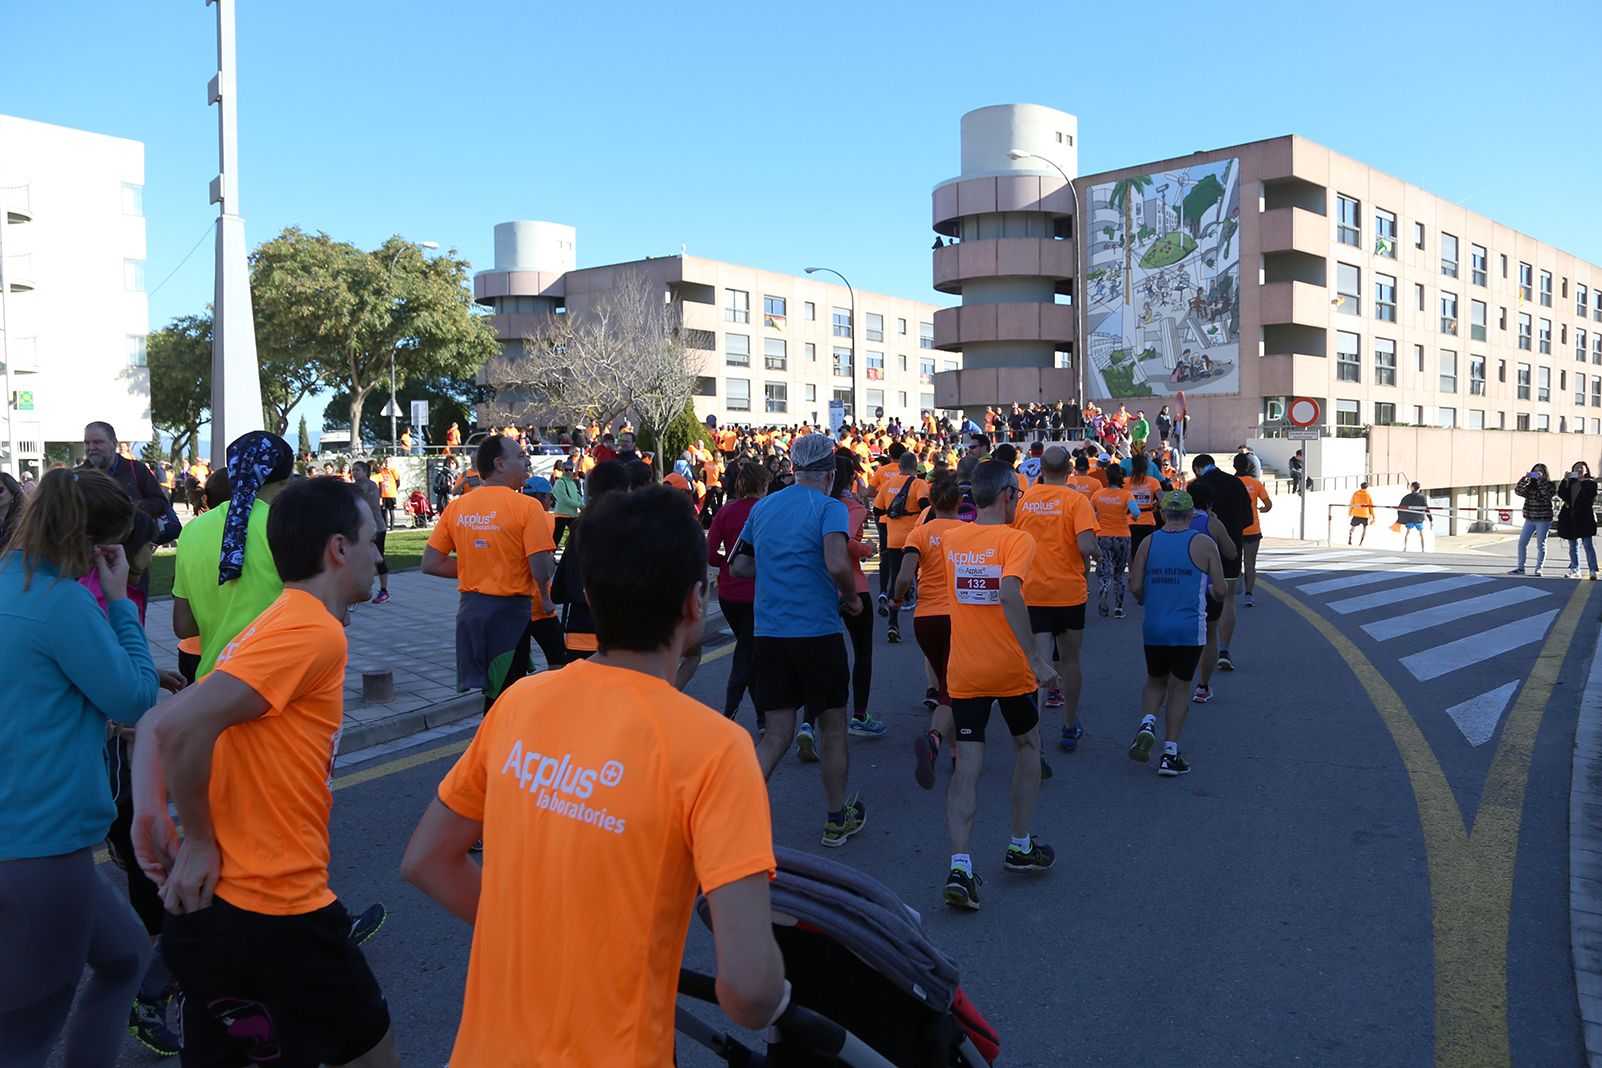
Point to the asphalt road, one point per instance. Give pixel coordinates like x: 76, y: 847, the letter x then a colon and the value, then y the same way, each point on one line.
x: 1302, y: 897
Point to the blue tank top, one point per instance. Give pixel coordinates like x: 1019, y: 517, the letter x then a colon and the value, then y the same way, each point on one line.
x: 1176, y: 591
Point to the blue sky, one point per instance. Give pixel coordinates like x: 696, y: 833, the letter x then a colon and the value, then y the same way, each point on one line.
x: 779, y: 135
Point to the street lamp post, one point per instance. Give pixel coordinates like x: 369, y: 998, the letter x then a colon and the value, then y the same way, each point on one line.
x: 855, y: 397
x: 394, y: 406
x: 1081, y: 342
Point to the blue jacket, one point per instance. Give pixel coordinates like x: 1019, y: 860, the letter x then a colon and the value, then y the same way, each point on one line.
x: 69, y: 668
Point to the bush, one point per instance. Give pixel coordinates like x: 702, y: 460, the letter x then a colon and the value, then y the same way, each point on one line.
x: 685, y: 428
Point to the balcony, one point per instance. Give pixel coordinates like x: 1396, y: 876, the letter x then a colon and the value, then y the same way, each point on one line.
x: 1032, y: 257
x: 1295, y: 304
x: 1293, y: 229
x: 19, y: 273
x: 988, y: 195
x: 1031, y: 321
x: 17, y: 202
x: 23, y: 353
x: 490, y: 284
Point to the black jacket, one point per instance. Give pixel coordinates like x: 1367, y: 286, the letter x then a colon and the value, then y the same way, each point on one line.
x: 1578, y: 518
x: 1232, y: 501
x: 1537, y: 494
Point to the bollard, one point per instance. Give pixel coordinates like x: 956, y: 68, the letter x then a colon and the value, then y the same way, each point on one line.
x: 378, y: 687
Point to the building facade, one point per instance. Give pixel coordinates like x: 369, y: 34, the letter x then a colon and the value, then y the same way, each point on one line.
x: 775, y: 349
x: 75, y: 310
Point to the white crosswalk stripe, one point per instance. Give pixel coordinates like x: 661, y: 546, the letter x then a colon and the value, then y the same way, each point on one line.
x: 1425, y: 618
x: 1477, y: 648
x: 1382, y: 598
x: 1367, y: 579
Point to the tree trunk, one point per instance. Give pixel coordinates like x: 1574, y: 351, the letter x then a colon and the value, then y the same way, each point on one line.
x: 358, y: 401
x: 1129, y: 245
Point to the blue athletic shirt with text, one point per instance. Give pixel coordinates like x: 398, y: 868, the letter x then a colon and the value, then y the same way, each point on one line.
x: 1176, y: 591
x: 795, y: 597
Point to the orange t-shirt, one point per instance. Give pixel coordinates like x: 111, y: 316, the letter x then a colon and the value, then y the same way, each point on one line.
x: 493, y: 531
x: 1055, y: 516
x: 1362, y: 506
x: 897, y: 530
x: 1112, y: 512
x: 1100, y: 475
x: 986, y: 660
x: 607, y: 797
x: 933, y: 597
x: 1258, y: 495
x: 270, y: 793
x: 1145, y: 491
x: 1084, y: 484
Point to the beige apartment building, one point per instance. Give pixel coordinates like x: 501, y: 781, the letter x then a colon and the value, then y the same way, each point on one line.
x: 776, y: 349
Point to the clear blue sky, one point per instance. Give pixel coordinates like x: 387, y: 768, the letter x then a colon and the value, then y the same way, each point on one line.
x: 780, y: 135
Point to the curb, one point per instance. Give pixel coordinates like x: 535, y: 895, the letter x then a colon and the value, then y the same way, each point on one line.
x: 362, y: 735
x: 1585, y: 858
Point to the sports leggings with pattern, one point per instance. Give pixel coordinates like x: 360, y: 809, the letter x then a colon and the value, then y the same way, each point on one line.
x: 1112, y: 565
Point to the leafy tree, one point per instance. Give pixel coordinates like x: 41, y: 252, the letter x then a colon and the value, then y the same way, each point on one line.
x: 677, y: 436
x: 450, y: 400
x: 1206, y: 193
x: 303, y: 445
x: 179, y: 355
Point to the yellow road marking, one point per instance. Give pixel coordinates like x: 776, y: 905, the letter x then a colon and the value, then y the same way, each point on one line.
x: 1471, y: 875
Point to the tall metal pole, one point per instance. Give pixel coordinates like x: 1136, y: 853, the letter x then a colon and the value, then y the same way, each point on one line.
x: 235, y: 374
x: 13, y: 463
x: 856, y: 418
x: 393, y: 408
x: 1080, y: 340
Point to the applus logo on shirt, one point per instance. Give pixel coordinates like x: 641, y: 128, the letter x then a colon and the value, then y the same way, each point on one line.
x: 552, y: 781
x: 970, y: 558
x: 486, y: 521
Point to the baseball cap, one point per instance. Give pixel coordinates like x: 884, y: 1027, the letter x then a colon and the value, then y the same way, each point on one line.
x: 677, y: 481
x: 537, y: 485
x: 1177, y: 501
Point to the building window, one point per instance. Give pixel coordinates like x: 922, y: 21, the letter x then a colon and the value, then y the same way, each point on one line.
x: 842, y: 363
x: 926, y: 371
x: 138, y: 355
x: 1348, y: 284
x: 1579, y: 388
x: 1501, y: 319
x: 1448, y: 371
x: 1546, y: 336
x: 1579, y: 345
x: 1543, y: 384
x: 948, y: 365
x: 1523, y: 392
x: 1596, y: 303
x: 1543, y: 422
x: 1348, y: 357
x: 1596, y: 391
x: 133, y: 199
x: 1521, y: 421
x: 1477, y: 264
x: 1449, y: 313
x: 738, y: 394
x: 1418, y: 296
x: 812, y: 352
x: 133, y: 275
x: 773, y: 312
x: 1384, y: 233
x: 1384, y: 362
x: 1418, y: 235
x: 1446, y: 417
x: 776, y: 396
x: 843, y: 396
x: 1524, y: 331
x: 1501, y: 371
x: 1477, y: 376
x: 875, y: 327
x: 1546, y: 289
x: 901, y: 361
x: 875, y: 402
x: 1477, y: 320
x: 812, y: 393
x: 1526, y: 281
x: 842, y: 322
x: 1348, y: 221
x: 1418, y: 358
x: 704, y: 386
x: 1580, y: 297
x: 926, y: 402
x: 875, y: 365
x: 1385, y: 297
x: 1448, y: 255
x: 1418, y: 415
x: 1384, y: 413
x: 901, y: 326
x: 1345, y: 415
x: 1476, y: 420
x: 737, y: 349
x: 926, y: 335
x: 1596, y: 346
x: 811, y: 311
x: 736, y: 306
x: 775, y: 354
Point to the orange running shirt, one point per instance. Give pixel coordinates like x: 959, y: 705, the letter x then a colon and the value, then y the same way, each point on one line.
x: 897, y: 530
x: 1112, y: 512
x: 1055, y: 516
x: 270, y: 795
x: 607, y: 797
x: 1258, y: 495
x: 933, y: 597
x: 1084, y: 484
x: 1362, y: 506
x: 986, y: 660
x: 493, y: 531
x: 1146, y: 491
x: 1100, y: 475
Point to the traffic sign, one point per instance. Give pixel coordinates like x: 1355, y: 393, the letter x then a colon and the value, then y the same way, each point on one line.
x: 1304, y: 411
x: 1305, y: 433
x: 1504, y: 516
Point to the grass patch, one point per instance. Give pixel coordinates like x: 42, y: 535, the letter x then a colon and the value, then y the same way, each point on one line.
x: 1168, y: 250
x: 403, y: 549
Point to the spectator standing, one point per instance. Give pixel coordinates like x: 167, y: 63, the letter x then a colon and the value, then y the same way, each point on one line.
x: 1576, y: 524
x: 444, y: 481
x: 12, y: 497
x: 388, y: 491
x: 100, y: 452
x: 361, y: 478
x: 1414, y: 511
x: 1139, y: 432
x: 569, y: 500
x: 1538, y: 491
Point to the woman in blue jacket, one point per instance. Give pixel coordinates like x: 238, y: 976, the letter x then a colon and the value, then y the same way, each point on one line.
x: 70, y: 669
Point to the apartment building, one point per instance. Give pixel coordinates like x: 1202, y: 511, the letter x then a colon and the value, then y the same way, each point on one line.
x: 775, y: 348
x: 74, y: 314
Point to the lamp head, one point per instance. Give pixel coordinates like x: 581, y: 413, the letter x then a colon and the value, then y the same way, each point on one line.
x: 1018, y: 153
x: 428, y: 244
x: 812, y: 270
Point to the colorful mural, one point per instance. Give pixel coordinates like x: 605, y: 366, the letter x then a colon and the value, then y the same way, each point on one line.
x: 1162, y: 284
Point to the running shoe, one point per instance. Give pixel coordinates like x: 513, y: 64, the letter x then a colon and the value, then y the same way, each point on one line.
x: 1101, y: 607
x: 477, y: 847
x: 926, y: 749
x: 894, y: 634
x: 856, y: 817
x: 1145, y: 738
x: 1118, y: 613
x: 1045, y: 769
x: 1054, y: 699
x: 1536, y: 572
x: 1573, y: 573
x: 1070, y: 737
x: 1516, y: 571
x: 1172, y: 764
x: 866, y: 727
x: 147, y: 1022
x: 1593, y: 576
x: 1202, y: 695
x: 1248, y: 599
x: 367, y: 924
x: 382, y: 597
x: 884, y: 605
x: 806, y: 744
x: 962, y: 890
x: 1224, y: 662
x: 1038, y: 857
x: 931, y: 699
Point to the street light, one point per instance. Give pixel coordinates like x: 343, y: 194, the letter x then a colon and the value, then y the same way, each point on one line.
x: 1081, y: 342
x: 394, y: 407
x: 855, y: 419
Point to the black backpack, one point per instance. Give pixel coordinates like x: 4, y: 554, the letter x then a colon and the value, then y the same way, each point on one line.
x: 898, y: 505
x: 442, y: 481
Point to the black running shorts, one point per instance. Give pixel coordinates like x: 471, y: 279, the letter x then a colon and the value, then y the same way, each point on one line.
x: 972, y: 715
x: 934, y: 638
x: 1250, y: 539
x: 1359, y: 520
x: 1177, y: 660
x: 792, y: 673
x: 1232, y: 567
x: 289, y: 991
x: 1054, y: 619
x: 1215, y: 610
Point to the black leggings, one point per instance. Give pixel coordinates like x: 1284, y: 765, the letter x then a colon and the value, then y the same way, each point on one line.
x: 564, y: 523
x: 547, y: 633
x: 889, y: 566
x: 860, y: 628
x: 741, y: 618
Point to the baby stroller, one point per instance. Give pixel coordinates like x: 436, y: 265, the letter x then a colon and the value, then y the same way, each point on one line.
x: 421, y: 510
x: 868, y: 988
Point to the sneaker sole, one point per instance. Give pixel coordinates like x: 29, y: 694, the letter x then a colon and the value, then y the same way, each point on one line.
x: 958, y: 898
x: 1027, y: 869
x: 842, y: 839
x: 806, y: 749
x: 1141, y: 748
x: 368, y: 935
x: 923, y: 772
x: 1201, y: 700
x: 1068, y: 745
x: 160, y: 1051
x: 855, y: 733
x: 1226, y: 665
x: 1172, y: 773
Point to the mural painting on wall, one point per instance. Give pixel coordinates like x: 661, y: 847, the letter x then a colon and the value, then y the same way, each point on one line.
x: 1162, y: 284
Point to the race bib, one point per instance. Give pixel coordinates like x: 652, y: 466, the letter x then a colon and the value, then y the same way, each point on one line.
x: 978, y: 584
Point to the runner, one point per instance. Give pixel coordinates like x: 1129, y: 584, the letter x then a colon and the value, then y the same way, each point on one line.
x: 567, y: 586
x: 267, y: 966
x: 361, y: 478
x: 1203, y: 521
x: 922, y: 560
x: 858, y: 625
x: 1414, y: 511
x: 1362, y: 512
x: 503, y: 558
x: 735, y: 595
x: 1175, y: 573
x: 656, y: 793
x: 1115, y: 507
x: 901, y: 498
x: 1252, y: 536
x: 795, y: 545
x: 1081, y: 481
x: 1063, y: 524
x: 1232, y: 504
x: 991, y: 664
x: 1146, y: 491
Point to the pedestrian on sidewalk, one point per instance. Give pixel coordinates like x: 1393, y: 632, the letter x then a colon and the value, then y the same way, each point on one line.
x: 1538, y: 490
x: 361, y: 477
x: 1361, y: 511
x: 1576, y: 524
x: 1414, y: 511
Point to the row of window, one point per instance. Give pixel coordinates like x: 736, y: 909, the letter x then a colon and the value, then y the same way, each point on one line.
x: 1348, y: 413
x: 775, y: 311
x: 1349, y: 368
x: 776, y: 395
x: 776, y: 357
x: 1349, y: 231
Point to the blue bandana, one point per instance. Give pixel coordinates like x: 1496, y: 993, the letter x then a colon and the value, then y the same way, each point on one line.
x: 254, y: 460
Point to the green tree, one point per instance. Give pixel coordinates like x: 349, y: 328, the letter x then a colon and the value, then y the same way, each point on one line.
x: 1124, y: 193
x: 684, y: 429
x: 179, y: 355
x: 450, y: 400
x: 303, y: 445
x: 1206, y: 193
